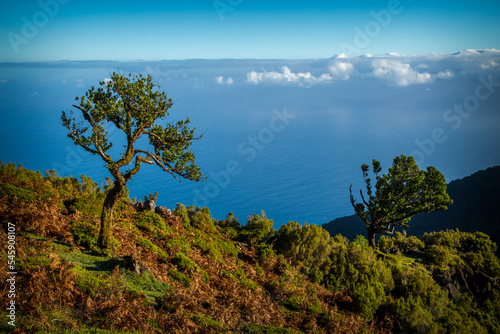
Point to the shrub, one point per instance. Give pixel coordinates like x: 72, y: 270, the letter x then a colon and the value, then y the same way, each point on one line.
x: 151, y: 223
x: 258, y: 229
x: 85, y: 235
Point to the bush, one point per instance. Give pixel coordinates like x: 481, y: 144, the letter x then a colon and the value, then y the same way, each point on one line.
x: 85, y: 235
x: 258, y: 229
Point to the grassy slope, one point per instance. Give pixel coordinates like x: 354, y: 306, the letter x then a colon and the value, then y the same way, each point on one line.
x: 188, y: 273
x: 169, y: 274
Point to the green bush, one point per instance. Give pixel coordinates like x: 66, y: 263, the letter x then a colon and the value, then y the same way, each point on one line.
x: 88, y: 204
x: 185, y: 264
x: 85, y: 235
x: 17, y: 192
x: 258, y: 229
x: 151, y: 223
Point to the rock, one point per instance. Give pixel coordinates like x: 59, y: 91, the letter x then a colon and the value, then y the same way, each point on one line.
x: 139, y: 206
x: 164, y: 211
x: 150, y: 205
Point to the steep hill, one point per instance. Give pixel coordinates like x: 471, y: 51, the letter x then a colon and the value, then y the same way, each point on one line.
x: 476, y: 203
x: 185, y: 272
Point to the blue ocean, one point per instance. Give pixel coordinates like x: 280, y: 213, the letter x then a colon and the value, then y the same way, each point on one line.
x: 286, y: 142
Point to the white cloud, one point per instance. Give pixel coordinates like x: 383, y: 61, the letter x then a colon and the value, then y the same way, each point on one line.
x: 403, y: 74
x: 286, y: 76
x: 488, y: 64
x: 341, y: 70
x: 107, y: 80
x: 445, y: 75
x: 220, y: 80
x: 340, y: 56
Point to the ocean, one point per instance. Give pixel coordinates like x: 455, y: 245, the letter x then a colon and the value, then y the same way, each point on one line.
x: 291, y: 148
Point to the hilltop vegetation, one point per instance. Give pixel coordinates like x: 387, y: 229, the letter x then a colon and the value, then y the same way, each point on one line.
x: 475, y: 208
x: 190, y: 273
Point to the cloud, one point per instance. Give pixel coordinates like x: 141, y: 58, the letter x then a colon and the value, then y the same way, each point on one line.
x: 445, y: 75
x: 107, y: 80
x: 3, y: 80
x: 287, y: 76
x: 341, y: 70
x: 220, y: 80
x: 403, y: 75
x: 399, y: 73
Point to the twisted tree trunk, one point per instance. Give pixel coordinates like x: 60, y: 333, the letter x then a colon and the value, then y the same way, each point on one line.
x: 105, y: 240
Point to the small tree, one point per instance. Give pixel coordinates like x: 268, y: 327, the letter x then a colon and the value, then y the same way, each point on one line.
x: 399, y: 195
x: 133, y: 105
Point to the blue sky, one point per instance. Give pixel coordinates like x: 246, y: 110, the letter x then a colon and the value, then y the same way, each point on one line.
x: 152, y: 30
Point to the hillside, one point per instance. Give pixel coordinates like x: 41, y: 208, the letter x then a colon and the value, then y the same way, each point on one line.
x: 476, y: 199
x: 186, y: 272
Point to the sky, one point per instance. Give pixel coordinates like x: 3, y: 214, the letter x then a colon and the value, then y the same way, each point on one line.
x: 363, y: 80
x: 51, y: 30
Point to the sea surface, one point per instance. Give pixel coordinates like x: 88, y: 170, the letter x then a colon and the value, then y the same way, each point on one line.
x: 291, y: 150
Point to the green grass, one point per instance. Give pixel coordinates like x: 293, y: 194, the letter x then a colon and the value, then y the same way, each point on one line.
x: 15, y: 191
x: 146, y: 284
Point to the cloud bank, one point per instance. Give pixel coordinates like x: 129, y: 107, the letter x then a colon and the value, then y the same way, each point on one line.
x: 393, y: 68
x: 402, y: 74
x: 286, y: 76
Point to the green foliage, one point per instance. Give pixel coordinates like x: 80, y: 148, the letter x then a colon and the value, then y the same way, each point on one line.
x: 144, y: 284
x: 399, y: 195
x: 89, y: 282
x: 85, y: 235
x: 258, y: 229
x: 361, y: 241
x: 18, y: 192
x: 151, y: 223
x: 185, y: 264
x: 230, y: 226
x: 26, y: 185
x: 308, y: 246
x: 206, y: 231
x: 33, y: 262
x: 336, y: 264
x: 206, y: 322
x: 146, y: 243
x: 88, y: 204
x: 179, y: 277
x: 179, y: 244
x: 135, y: 106
x: 265, y: 251
x: 401, y: 242
x: 181, y: 212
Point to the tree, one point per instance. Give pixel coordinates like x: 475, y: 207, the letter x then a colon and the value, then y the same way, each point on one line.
x: 399, y: 195
x: 133, y: 105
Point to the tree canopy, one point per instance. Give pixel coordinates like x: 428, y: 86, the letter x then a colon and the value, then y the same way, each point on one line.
x: 135, y: 105
x: 403, y: 192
